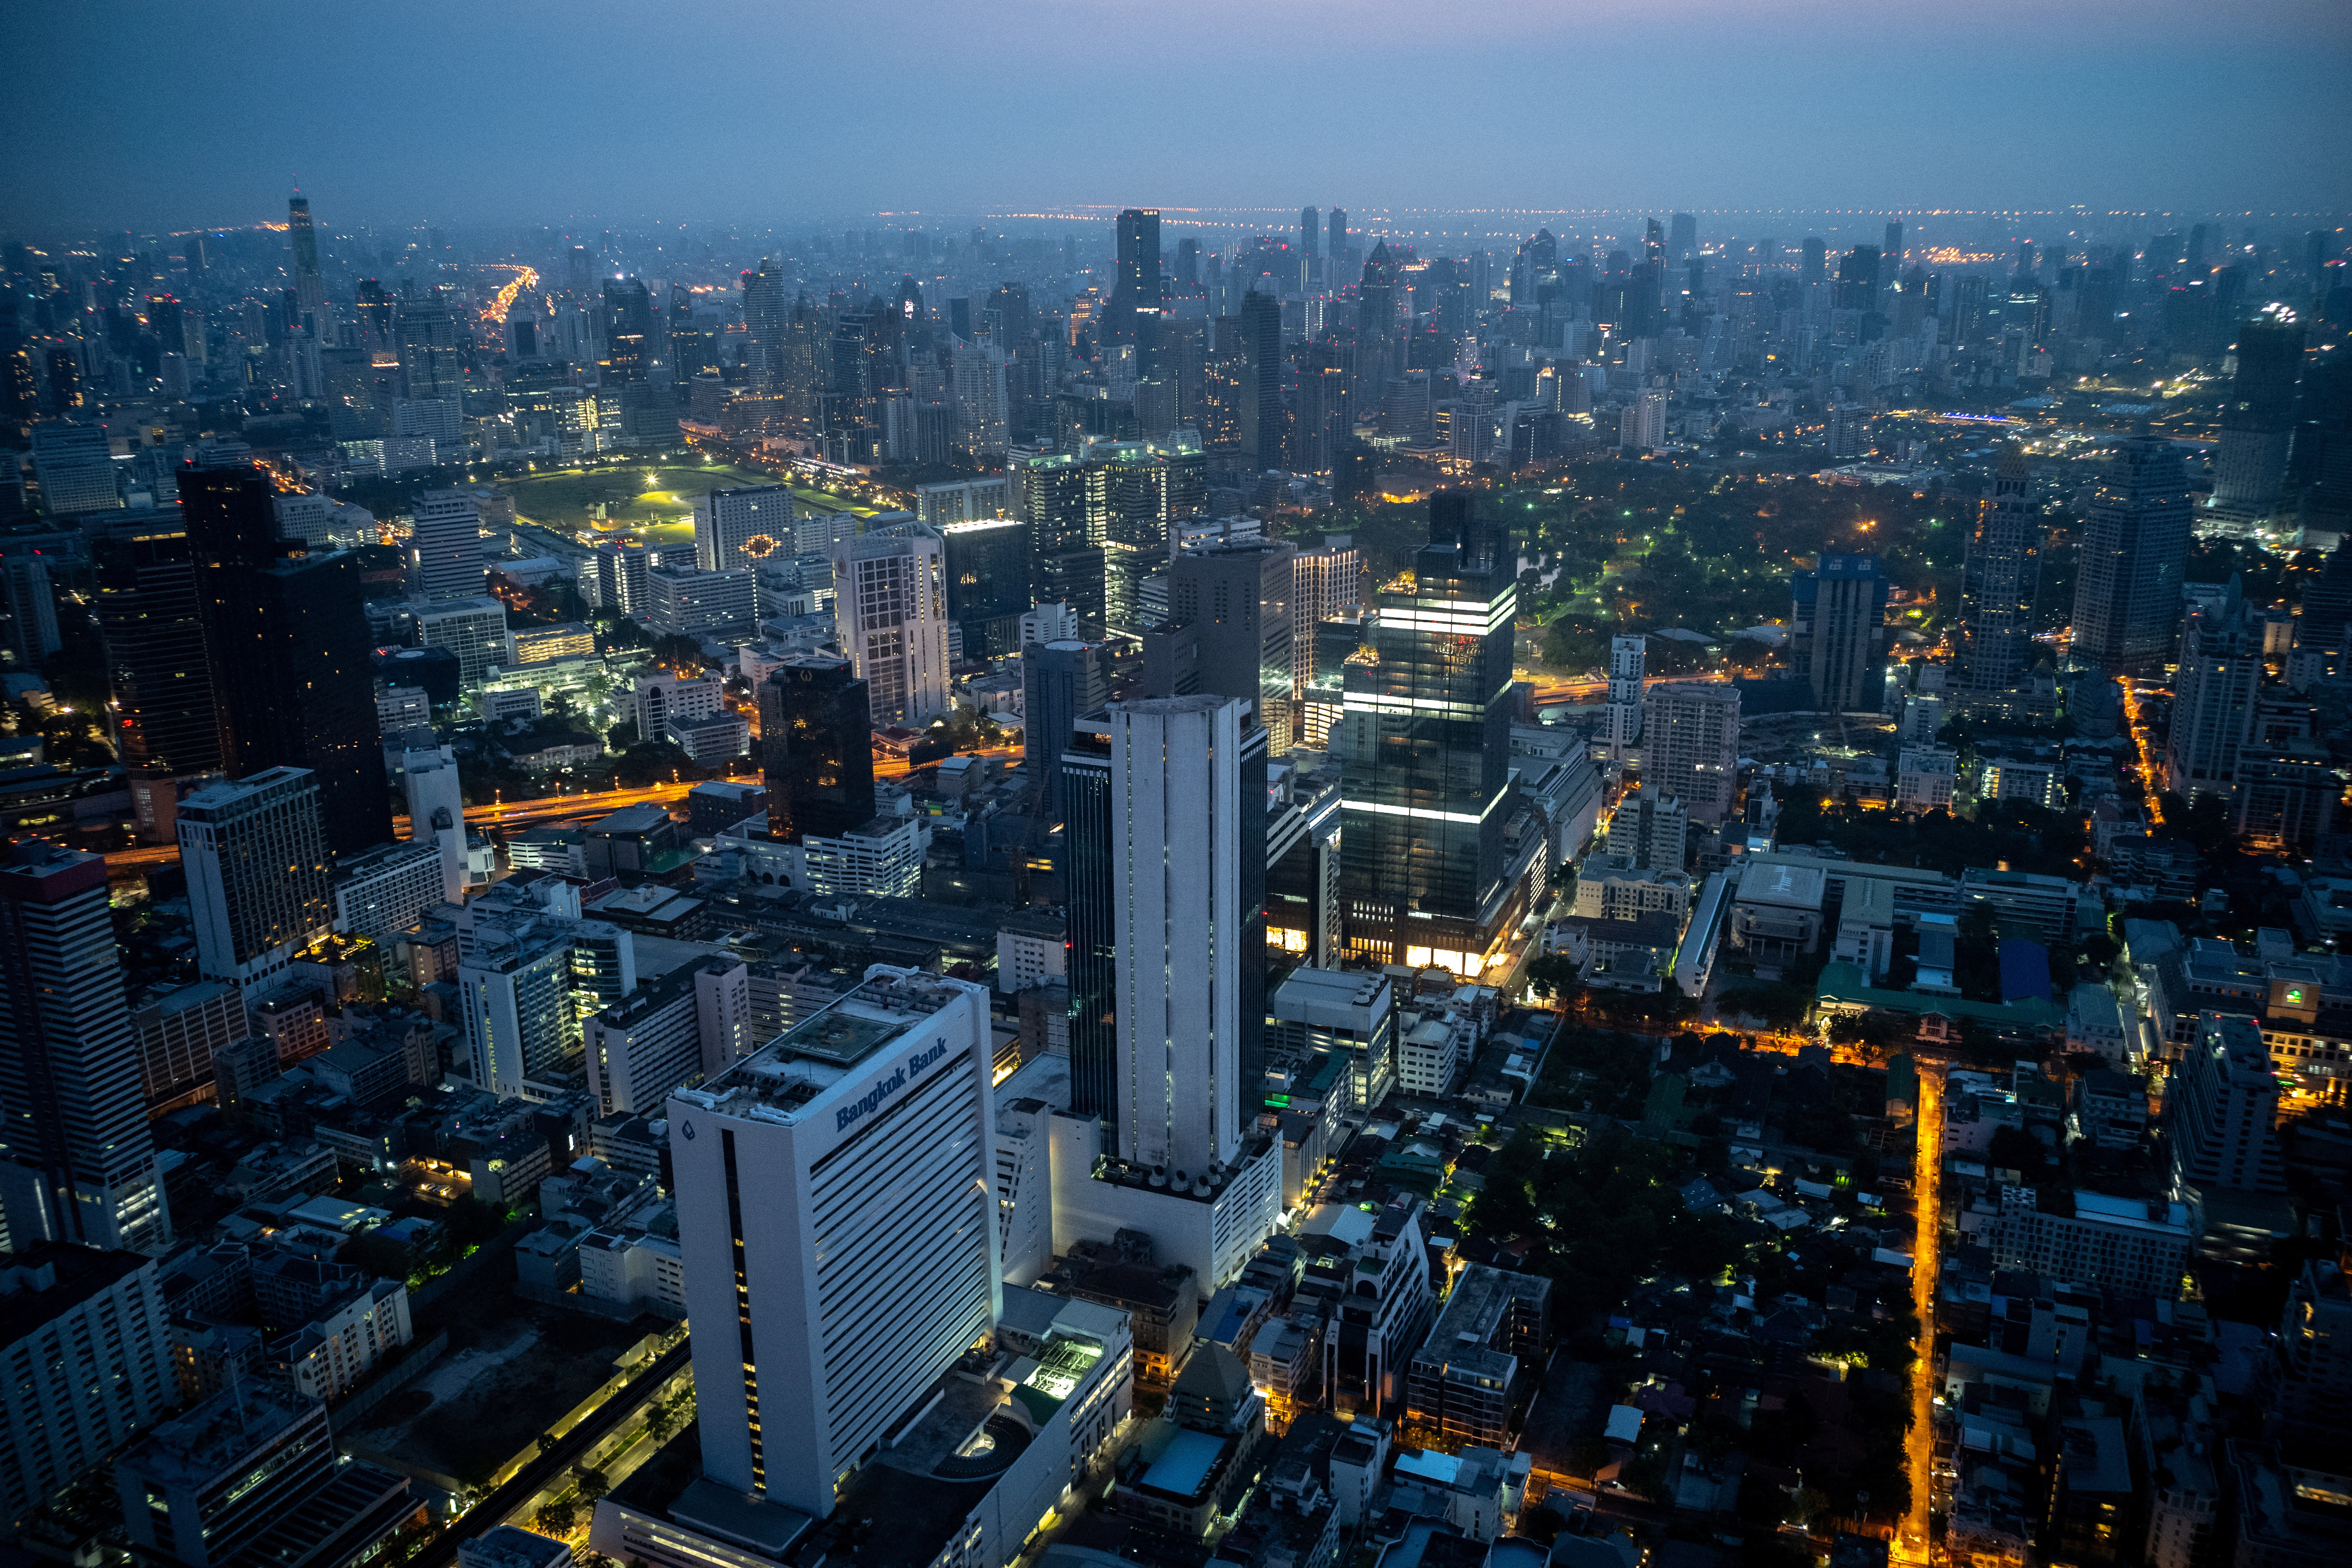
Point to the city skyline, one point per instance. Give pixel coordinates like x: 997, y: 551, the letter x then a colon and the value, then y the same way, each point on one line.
x: 2171, y: 107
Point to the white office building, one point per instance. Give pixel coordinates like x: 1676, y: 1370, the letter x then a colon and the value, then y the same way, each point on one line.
x: 1179, y: 814
x: 884, y: 855
x: 1351, y: 1013
x: 890, y: 614
x: 473, y: 629
x: 682, y: 601
x: 1628, y: 657
x: 384, y: 891
x: 447, y: 545
x: 1924, y: 777
x: 659, y: 700
x: 530, y: 977
x: 258, y: 883
x: 75, y: 465
x: 838, y: 1224
x: 961, y: 500
x: 691, y: 1023
x: 436, y: 804
x: 733, y: 528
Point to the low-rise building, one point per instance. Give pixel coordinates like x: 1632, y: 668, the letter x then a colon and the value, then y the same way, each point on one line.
x: 1493, y: 1325
x: 1776, y: 916
x: 1367, y: 1273
x: 1352, y: 1014
x: 1033, y: 949
x: 1926, y: 776
x: 2111, y: 1110
x: 1612, y: 886
x: 2135, y: 1246
x: 328, y: 1357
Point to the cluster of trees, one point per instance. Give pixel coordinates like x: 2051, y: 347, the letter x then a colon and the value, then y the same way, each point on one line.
x: 1602, y: 1216
x: 2013, y: 830
x: 1716, y: 551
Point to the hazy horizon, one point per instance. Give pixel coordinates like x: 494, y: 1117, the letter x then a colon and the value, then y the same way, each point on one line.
x: 171, y: 117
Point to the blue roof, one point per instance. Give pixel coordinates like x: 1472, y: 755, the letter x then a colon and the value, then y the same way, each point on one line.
x: 2024, y: 970
x: 1184, y: 1465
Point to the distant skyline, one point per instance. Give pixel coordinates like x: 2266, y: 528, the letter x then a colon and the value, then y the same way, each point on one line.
x: 168, y: 115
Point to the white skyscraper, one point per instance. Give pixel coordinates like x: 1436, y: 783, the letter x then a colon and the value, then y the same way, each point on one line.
x: 1178, y: 816
x: 1643, y: 424
x: 733, y: 528
x: 1690, y: 744
x: 837, y: 1222
x: 979, y: 389
x: 890, y: 613
x: 1166, y: 806
x: 447, y: 545
x: 1626, y: 661
x: 258, y: 884
x: 76, y: 1162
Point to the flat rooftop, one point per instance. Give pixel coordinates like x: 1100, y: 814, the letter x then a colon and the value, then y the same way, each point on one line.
x: 197, y: 1446
x: 800, y: 1064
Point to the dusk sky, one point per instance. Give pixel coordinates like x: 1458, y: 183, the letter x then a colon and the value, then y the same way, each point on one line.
x: 167, y: 115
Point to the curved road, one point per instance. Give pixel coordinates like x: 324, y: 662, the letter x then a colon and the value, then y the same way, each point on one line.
x: 527, y: 1482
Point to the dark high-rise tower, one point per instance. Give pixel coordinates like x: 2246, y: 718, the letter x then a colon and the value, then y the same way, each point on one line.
x: 2258, y: 422
x: 766, y: 312
x: 156, y: 674
x: 989, y: 581
x: 1236, y: 597
x: 429, y: 364
x: 1837, y: 632
x: 1310, y: 232
x: 1857, y: 285
x: 1423, y: 750
x: 817, y: 732
x: 1999, y: 581
x: 2321, y: 462
x: 1816, y: 264
x: 375, y: 313
x: 1011, y: 304
x: 1262, y: 412
x: 1134, y: 308
x: 2134, y: 551
x: 1682, y: 239
x: 1484, y: 539
x: 628, y: 330
x: 286, y: 642
x: 1338, y: 249
x: 75, y: 1162
x: 310, y: 289
x: 1061, y: 682
x: 1376, y: 295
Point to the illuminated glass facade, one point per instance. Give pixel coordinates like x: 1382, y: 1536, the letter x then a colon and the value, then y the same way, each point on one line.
x: 1423, y: 744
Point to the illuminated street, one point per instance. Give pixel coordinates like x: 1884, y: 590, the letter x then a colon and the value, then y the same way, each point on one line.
x: 1912, y: 1544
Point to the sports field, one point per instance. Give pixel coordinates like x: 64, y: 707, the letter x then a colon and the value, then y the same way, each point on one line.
x: 652, y: 502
